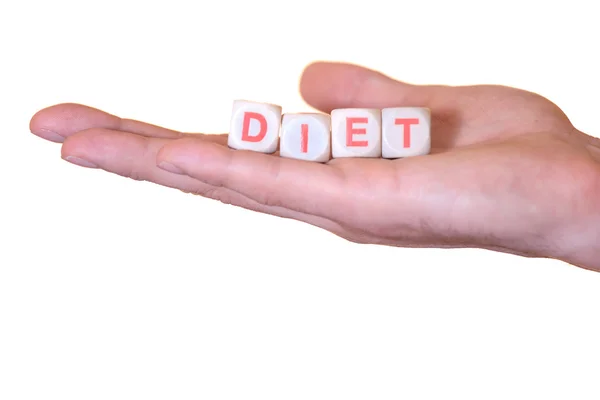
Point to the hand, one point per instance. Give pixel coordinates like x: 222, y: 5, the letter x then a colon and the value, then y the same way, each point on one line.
x: 508, y: 171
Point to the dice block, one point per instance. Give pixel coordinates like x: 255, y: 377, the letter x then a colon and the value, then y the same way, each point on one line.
x: 356, y: 132
x: 406, y: 132
x: 255, y: 126
x: 306, y: 136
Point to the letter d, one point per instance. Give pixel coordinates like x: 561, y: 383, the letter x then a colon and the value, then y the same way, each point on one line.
x: 248, y: 116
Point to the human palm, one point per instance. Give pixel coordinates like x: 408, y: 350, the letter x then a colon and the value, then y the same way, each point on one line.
x: 507, y: 171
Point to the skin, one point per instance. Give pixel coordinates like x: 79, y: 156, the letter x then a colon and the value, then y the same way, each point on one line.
x: 508, y: 171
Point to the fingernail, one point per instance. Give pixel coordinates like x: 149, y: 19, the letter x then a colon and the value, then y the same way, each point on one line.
x: 49, y: 135
x: 80, y: 161
x: 170, y: 168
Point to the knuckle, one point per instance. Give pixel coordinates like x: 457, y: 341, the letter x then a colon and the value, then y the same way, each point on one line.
x: 138, y: 168
x: 136, y: 174
x: 270, y: 199
x: 272, y: 192
x: 217, y: 193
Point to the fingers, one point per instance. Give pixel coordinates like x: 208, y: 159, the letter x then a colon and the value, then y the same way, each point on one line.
x: 129, y: 155
x: 58, y: 122
x: 305, y: 187
x: 461, y: 115
x: 327, y: 86
x: 134, y: 156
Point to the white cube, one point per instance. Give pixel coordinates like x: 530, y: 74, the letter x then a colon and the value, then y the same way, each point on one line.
x: 406, y: 132
x: 356, y: 132
x: 254, y: 126
x: 306, y: 136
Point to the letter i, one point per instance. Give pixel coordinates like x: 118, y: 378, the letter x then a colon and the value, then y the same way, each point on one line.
x: 304, y: 138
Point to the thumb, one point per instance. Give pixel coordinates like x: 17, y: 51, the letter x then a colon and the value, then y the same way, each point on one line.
x: 327, y: 86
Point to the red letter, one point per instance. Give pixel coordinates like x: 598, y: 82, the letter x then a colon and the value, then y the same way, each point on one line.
x: 350, y: 131
x: 304, y: 138
x: 246, y: 127
x: 407, y: 122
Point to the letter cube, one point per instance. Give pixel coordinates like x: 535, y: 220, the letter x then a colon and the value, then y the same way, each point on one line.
x: 254, y: 126
x: 306, y: 136
x: 406, y: 132
x: 356, y: 132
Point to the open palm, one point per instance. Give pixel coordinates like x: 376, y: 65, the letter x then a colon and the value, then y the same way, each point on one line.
x: 508, y: 171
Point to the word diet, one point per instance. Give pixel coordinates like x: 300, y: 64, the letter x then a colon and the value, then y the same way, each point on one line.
x: 349, y: 132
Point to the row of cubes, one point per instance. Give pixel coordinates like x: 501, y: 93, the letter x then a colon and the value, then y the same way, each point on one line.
x: 349, y: 132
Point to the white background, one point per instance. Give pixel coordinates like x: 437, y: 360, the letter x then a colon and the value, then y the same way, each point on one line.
x: 117, y: 289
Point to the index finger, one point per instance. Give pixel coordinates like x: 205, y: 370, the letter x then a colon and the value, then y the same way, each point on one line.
x: 307, y: 187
